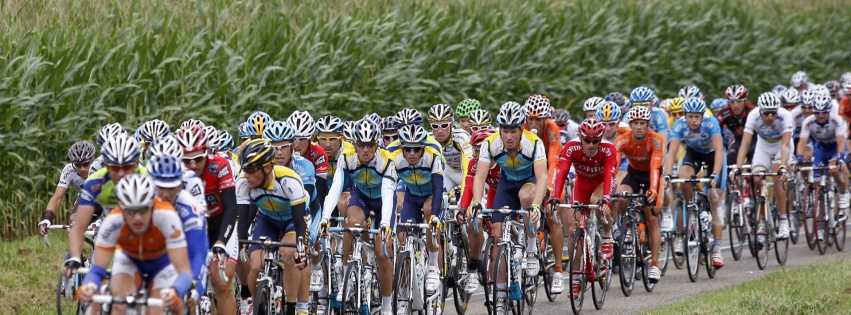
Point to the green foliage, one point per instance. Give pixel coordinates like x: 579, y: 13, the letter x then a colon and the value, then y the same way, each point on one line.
x: 69, y: 67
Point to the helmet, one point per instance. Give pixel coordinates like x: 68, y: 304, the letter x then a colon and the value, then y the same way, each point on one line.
x: 694, y: 105
x: 790, y: 96
x: 374, y: 117
x: 768, y: 101
x: 409, y: 116
x: 302, y: 123
x: 778, y: 89
x: 329, y: 123
x: 412, y: 133
x: 807, y: 97
x: 279, y: 131
x: 616, y: 98
x: 638, y: 113
x: 736, y: 92
x: 718, y: 103
x: 349, y: 129
x: 81, y: 151
x: 664, y: 104
x: 798, y: 79
x: 822, y: 103
x: 153, y: 129
x: 120, y: 150
x: 845, y: 78
x: 243, y: 130
x: 591, y: 129
x: 592, y: 104
x: 832, y: 86
x: 440, y: 112
x: 466, y: 107
x: 165, y: 146
x: 641, y: 94
x: 366, y: 131
x: 480, y: 136
x: 609, y: 112
x: 256, y: 152
x: 109, y: 131
x: 538, y: 106
x: 480, y: 117
x: 137, y: 136
x: 191, y: 139
x: 165, y: 170
x: 257, y: 122
x: 561, y: 115
x: 225, y: 140
x: 211, y: 133
x: 820, y: 90
x: 676, y: 105
x: 690, y: 91
x: 510, y: 115
x: 192, y: 122
x: 389, y: 124
x: 135, y: 191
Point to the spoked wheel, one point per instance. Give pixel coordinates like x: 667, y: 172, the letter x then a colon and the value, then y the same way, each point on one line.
x: 501, y: 267
x: 530, y: 294
x: 839, y: 235
x: 793, y: 207
x: 781, y: 247
x: 602, y: 276
x: 485, y: 275
x: 706, y: 245
x: 403, y: 284
x: 691, y: 244
x: 66, y: 290
x: 760, y: 234
x: 819, y: 220
x: 351, y: 288
x: 664, y: 253
x: 459, y: 288
x: 808, y: 208
x: 263, y: 303
x: 548, y: 265
x: 317, y: 302
x: 577, y: 271
x: 628, y: 243
x: 679, y: 212
x: 646, y: 260
x: 736, y: 229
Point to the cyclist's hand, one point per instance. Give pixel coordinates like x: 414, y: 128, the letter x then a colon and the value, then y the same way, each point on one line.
x: 94, y: 226
x: 85, y: 292
x: 605, y: 206
x: 71, y: 266
x: 169, y: 297
x: 324, y: 226
x: 219, y: 251
x: 534, y: 213
x: 243, y: 253
x: 476, y: 208
x: 667, y: 179
x: 715, y: 179
x: 435, y: 223
x: 42, y: 226
x: 651, y: 196
x: 386, y: 233
x: 553, y: 204
x: 462, y: 216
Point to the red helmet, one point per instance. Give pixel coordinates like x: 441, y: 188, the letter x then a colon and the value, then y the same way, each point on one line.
x: 736, y: 92
x: 591, y: 129
x: 191, y: 138
x: 479, y: 136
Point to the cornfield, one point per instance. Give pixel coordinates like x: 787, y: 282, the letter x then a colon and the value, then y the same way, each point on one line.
x: 69, y: 67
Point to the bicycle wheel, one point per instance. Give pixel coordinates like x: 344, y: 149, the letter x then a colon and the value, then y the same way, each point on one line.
x: 664, y: 253
x: 826, y: 212
x: 691, y: 243
x: 549, y: 266
x: 839, y: 235
x: 66, y: 289
x: 760, y: 232
x: 602, y: 276
x: 351, y: 288
x: 628, y: 242
x: 316, y: 302
x: 792, y: 213
x: 679, y: 213
x: 501, y: 269
x: 403, y: 285
x: 646, y: 260
x: 263, y: 303
x: 460, y: 296
x: 577, y: 271
x: 736, y: 228
x: 818, y: 219
x: 781, y: 247
x: 808, y: 207
x: 706, y: 243
x: 485, y: 274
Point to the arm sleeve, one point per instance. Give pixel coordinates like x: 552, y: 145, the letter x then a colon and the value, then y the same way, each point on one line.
x: 437, y: 187
x: 322, y: 189
x: 388, y: 192
x: 553, y: 151
x: 466, y: 157
x: 298, y: 220
x: 336, y: 189
x: 655, y: 162
x: 228, y: 214
x: 244, y: 221
x: 198, y: 247
x: 467, y: 192
x: 563, y: 169
x: 609, y: 172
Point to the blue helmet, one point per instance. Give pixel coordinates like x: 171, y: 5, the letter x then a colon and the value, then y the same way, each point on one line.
x: 778, y: 89
x: 718, y: 103
x: 225, y: 140
x: 279, y: 131
x: 257, y: 123
x: 641, y: 94
x: 242, y: 130
x: 694, y: 105
x: 610, y: 111
x: 165, y: 170
x: 329, y: 123
x: 409, y: 116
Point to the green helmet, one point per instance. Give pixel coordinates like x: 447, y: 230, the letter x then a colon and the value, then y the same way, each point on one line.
x: 466, y: 107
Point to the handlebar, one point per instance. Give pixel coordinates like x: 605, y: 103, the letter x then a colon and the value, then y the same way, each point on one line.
x: 354, y: 230
x: 268, y: 243
x: 129, y: 300
x: 817, y: 168
x: 691, y: 180
x: 735, y: 167
x: 584, y: 207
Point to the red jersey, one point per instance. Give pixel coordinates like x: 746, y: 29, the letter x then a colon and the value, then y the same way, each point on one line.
x: 217, y: 176
x: 600, y: 168
x: 319, y: 158
x: 490, y: 182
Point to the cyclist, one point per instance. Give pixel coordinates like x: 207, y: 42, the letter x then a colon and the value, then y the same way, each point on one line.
x: 330, y: 137
x: 568, y: 127
x: 150, y: 131
x: 643, y: 96
x: 476, y: 234
x: 690, y: 91
x: 144, y: 224
x: 420, y: 168
x: 108, y: 131
x: 410, y: 116
x: 456, y: 146
x: 799, y: 81
x: 538, y: 114
x: 845, y: 101
x: 120, y: 154
x: 277, y: 195
x: 373, y: 180
x: 81, y: 154
x: 389, y: 131
x: 675, y: 110
x: 522, y: 160
x: 643, y: 151
x: 733, y: 118
x: 595, y: 164
x: 219, y: 192
x: 479, y: 119
x: 703, y: 142
x: 619, y: 99
x: 168, y: 145
x: 463, y: 110
x: 610, y: 115
x: 305, y: 129
x: 590, y: 106
x: 774, y: 126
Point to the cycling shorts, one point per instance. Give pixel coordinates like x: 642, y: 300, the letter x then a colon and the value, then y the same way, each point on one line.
x: 583, y: 189
x: 273, y: 230
x: 638, y: 181
x: 823, y: 153
x: 412, y: 209
x: 232, y: 245
x: 357, y: 199
x: 161, y: 273
x: 95, y: 214
x: 451, y: 178
x: 768, y: 153
x: 733, y: 152
x: 508, y: 195
x: 624, y: 164
x: 693, y: 159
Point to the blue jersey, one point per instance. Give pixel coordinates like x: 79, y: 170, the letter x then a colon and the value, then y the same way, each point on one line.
x: 195, y: 227
x: 304, y: 168
x: 698, y: 140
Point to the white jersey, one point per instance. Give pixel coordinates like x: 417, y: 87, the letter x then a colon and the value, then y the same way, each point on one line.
x: 824, y: 133
x: 69, y: 177
x: 97, y: 164
x: 572, y: 130
x: 798, y: 117
x: 195, y: 187
x: 783, y: 123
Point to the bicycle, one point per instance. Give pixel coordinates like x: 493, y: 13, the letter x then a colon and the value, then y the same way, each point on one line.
x: 634, y: 243
x: 270, y: 296
x: 67, y: 285
x: 409, y: 292
x: 329, y: 263
x: 455, y: 257
x: 547, y: 258
x: 738, y: 214
x: 587, y: 264
x: 204, y: 304
x: 823, y: 219
x: 766, y: 220
x: 359, y: 296
x: 697, y: 240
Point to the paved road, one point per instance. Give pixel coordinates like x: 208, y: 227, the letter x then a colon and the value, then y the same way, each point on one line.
x: 674, y: 286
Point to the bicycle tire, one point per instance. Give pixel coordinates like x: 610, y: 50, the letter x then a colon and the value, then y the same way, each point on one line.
x: 61, y: 287
x: 577, y: 257
x: 549, y: 266
x: 461, y: 298
x: 840, y: 228
x: 692, y: 252
x: 628, y: 241
x: 808, y: 207
x: 781, y: 247
x: 735, y: 229
x: 530, y: 293
x: 706, y: 247
x: 818, y: 213
x: 792, y: 206
x: 484, y: 273
x: 828, y: 230
x: 664, y: 253
x: 351, y: 288
x: 502, y: 263
x: 263, y: 304
x: 679, y: 223
x: 602, y: 275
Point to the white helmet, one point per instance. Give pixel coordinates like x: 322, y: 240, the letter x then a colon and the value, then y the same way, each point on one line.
x: 120, y: 150
x: 366, y: 131
x: 638, y: 113
x: 153, y: 129
x: 593, y: 103
x: 167, y: 145
x: 768, y: 101
x: 798, y: 79
x: 303, y: 123
x: 135, y: 191
x: 108, y: 131
x: 790, y: 96
x: 510, y: 115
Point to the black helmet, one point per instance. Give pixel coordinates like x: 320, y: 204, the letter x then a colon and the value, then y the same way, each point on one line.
x: 256, y: 152
x: 616, y: 98
x: 82, y: 151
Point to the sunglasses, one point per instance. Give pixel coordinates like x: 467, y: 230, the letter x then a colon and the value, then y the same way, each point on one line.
x: 822, y: 113
x: 82, y: 164
x: 441, y: 126
x: 390, y: 138
x: 768, y: 113
x: 190, y: 160
x: 329, y: 139
x: 135, y: 211
x: 412, y: 148
x: 125, y: 168
x: 611, y: 123
x: 562, y: 125
x: 366, y: 145
x: 645, y: 104
x: 591, y: 141
x: 477, y: 128
x: 737, y: 101
x: 249, y: 169
x: 283, y: 146
x: 302, y: 139
x: 806, y: 107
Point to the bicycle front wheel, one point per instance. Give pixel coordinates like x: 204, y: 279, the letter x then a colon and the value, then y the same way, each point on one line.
x: 792, y: 211
x: 602, y: 275
x: 403, y: 284
x: 781, y: 247
x: 736, y: 228
x: 263, y: 303
x: 692, y: 244
x: 808, y: 209
x: 759, y: 234
x: 679, y: 213
x: 628, y: 243
x: 501, y: 277
x: 819, y: 219
x: 664, y: 253
x: 460, y: 296
x: 839, y: 235
x: 548, y: 264
x: 577, y: 271
x: 351, y: 298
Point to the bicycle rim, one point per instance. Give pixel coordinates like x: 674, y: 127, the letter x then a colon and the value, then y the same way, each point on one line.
x: 679, y: 217
x: 691, y: 244
x: 501, y: 265
x: 263, y: 304
x: 61, y: 303
x: 781, y: 247
x: 603, y: 273
x: 646, y: 261
x: 664, y: 253
x: 403, y: 284
x: 705, y: 246
x: 460, y: 297
x: 549, y: 267
x: 818, y: 220
x: 577, y: 271
x: 484, y: 274
x: 792, y: 206
x: 735, y: 230
x: 761, y: 249
x: 839, y: 235
x: 808, y: 207
x: 629, y: 246
x: 351, y: 288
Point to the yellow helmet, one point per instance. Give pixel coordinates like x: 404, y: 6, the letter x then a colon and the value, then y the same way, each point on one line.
x: 676, y: 105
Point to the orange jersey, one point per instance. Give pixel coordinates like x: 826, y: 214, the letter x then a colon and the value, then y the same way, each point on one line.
x: 845, y: 108
x: 166, y: 232
x: 642, y: 155
x: 550, y: 137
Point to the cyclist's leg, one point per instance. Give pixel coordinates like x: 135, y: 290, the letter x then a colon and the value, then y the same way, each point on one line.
x: 223, y: 288
x: 292, y: 276
x: 124, y: 279
x: 400, y: 196
x: 507, y: 195
x: 384, y: 262
x: 687, y: 169
x: 716, y: 202
x: 263, y: 227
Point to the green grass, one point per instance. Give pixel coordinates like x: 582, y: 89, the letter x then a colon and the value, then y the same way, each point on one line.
x: 820, y: 288
x: 69, y: 67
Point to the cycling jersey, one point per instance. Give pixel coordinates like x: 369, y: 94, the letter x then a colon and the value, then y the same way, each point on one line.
x: 195, y: 227
x: 217, y: 177
x: 658, y: 120
x: 316, y: 155
x: 276, y: 200
x: 99, y: 189
x: 845, y: 108
x: 707, y: 113
x: 195, y: 186
x: 69, y: 177
x: 572, y: 130
x: 643, y: 155
x: 332, y: 163
x: 306, y: 172
x: 591, y: 171
x: 824, y: 134
x: 727, y: 119
x: 699, y: 140
x: 563, y: 137
x: 374, y: 180
x: 519, y: 167
x: 97, y: 165
x: 552, y: 146
x: 233, y: 165
x: 491, y: 182
x: 422, y: 180
x: 153, y: 246
x: 798, y: 117
x: 783, y: 123
x: 456, y: 154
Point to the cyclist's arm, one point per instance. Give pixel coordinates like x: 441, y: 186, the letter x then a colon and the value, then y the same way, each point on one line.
x: 785, y: 139
x: 747, y: 137
x: 336, y: 188
x: 483, y: 164
x: 175, y: 243
x: 802, y: 140
x: 672, y: 156
x: 469, y: 181
x: 656, y: 160
x: 228, y: 215
x: 83, y: 217
x: 466, y: 157
x: 436, y: 186
x: 388, y: 193
x: 196, y: 237
x: 841, y: 133
x: 553, y: 151
x: 242, y: 208
x: 53, y: 204
x: 609, y: 171
x: 718, y: 146
x: 560, y: 176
